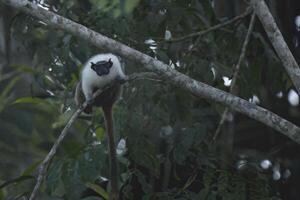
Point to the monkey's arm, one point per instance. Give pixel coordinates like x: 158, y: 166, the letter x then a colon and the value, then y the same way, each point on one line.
x: 80, y: 98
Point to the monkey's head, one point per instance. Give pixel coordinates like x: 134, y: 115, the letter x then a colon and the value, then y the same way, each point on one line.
x: 102, y: 67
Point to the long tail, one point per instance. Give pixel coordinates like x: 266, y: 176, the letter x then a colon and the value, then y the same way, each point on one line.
x: 114, y: 195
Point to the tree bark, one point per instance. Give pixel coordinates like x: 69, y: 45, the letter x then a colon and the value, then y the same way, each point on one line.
x: 290, y: 64
x: 174, y: 77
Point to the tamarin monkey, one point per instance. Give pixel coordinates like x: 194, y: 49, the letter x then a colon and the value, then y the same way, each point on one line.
x: 98, y: 72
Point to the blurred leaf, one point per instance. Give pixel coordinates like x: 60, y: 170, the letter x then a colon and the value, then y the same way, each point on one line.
x: 130, y: 5
x: 62, y: 120
x: 16, y: 180
x: 31, y: 168
x: 162, y: 56
x: 71, y: 180
x: 142, y: 180
x: 100, y: 133
x: 8, y: 88
x: 5, y: 92
x: 1, y: 194
x: 91, y: 161
x: 30, y: 100
x: 40, y: 33
x: 53, y: 179
x: 24, y: 69
x: 98, y: 189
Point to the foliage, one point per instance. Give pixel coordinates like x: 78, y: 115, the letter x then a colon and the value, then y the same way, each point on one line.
x: 169, y: 152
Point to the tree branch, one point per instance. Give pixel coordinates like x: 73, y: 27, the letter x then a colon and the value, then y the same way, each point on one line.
x: 165, y: 71
x: 277, y: 40
x: 236, y: 73
x: 44, y: 165
x: 144, y: 75
x: 213, y: 28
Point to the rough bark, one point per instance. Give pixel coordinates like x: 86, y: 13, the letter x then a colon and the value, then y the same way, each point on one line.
x: 174, y: 77
x: 290, y: 64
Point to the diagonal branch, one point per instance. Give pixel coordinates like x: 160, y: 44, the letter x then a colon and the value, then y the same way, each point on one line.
x: 44, y: 165
x: 213, y: 28
x: 277, y: 40
x: 144, y: 75
x: 165, y: 71
x: 236, y: 73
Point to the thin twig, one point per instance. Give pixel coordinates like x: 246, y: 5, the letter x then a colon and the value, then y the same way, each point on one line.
x: 236, y: 73
x: 178, y: 79
x: 44, y: 165
x: 213, y: 28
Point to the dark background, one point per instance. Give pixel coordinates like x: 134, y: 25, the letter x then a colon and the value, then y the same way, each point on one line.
x: 165, y: 135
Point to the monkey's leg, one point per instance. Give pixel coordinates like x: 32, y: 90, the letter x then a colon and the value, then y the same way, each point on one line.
x: 87, y: 90
x: 114, y: 195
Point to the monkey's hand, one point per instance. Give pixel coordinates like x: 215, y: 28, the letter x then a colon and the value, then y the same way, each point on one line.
x: 90, y: 102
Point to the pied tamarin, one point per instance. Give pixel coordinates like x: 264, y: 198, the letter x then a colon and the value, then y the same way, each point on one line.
x: 98, y: 72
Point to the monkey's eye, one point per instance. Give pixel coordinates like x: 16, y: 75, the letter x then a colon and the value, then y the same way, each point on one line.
x: 101, y: 70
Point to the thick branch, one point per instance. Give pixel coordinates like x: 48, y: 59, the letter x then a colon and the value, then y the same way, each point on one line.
x: 277, y: 40
x: 174, y: 77
x: 144, y: 75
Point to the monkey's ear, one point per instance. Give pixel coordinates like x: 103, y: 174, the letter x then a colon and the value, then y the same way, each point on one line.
x: 110, y: 63
x: 93, y: 65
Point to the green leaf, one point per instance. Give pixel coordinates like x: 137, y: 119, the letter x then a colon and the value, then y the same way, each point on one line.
x: 29, y: 100
x: 98, y: 189
x: 54, y: 176
x: 25, y: 69
x: 71, y: 179
x: 62, y: 120
x: 31, y: 168
x: 130, y: 5
x: 91, y: 162
x: 100, y: 133
x: 1, y: 194
x: 162, y: 56
x: 7, y: 89
x: 16, y: 180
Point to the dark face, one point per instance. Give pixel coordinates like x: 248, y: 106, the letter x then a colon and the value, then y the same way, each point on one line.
x: 102, y: 67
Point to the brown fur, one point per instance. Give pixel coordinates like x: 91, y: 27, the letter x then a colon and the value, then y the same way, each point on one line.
x: 105, y: 100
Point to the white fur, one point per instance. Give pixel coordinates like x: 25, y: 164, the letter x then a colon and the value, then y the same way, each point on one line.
x: 91, y: 80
